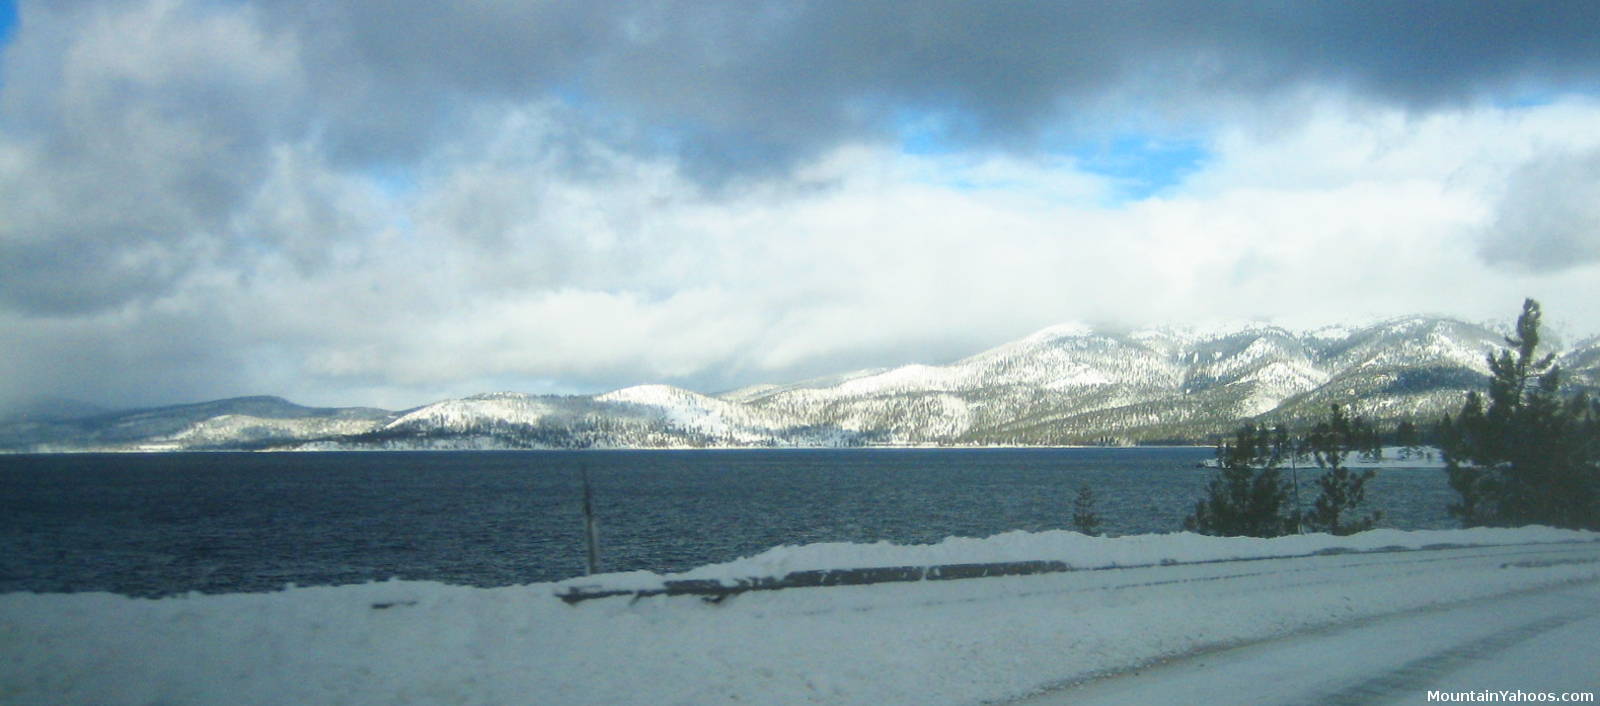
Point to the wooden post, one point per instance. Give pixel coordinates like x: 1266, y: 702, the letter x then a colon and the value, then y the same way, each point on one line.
x: 1294, y: 471
x: 591, y: 527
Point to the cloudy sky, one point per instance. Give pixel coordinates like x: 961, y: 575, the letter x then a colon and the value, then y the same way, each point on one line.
x: 391, y: 202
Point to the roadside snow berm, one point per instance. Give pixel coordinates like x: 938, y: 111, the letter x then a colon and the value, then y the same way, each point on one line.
x: 715, y: 590
x: 1018, y: 554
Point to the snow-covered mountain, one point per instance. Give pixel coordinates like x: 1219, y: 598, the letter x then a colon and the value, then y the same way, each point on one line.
x: 1065, y: 384
x: 240, y: 422
x: 1073, y: 384
x: 646, y: 416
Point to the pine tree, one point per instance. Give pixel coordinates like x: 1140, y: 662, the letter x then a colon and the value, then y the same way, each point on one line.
x: 1530, y: 456
x: 1342, y: 491
x: 1084, y: 518
x: 1408, y: 439
x: 1247, y: 496
x: 1461, y: 439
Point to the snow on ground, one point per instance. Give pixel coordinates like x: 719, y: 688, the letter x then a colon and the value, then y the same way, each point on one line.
x: 937, y: 642
x: 1530, y: 642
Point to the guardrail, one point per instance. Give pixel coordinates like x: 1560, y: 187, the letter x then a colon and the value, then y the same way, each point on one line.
x: 714, y: 591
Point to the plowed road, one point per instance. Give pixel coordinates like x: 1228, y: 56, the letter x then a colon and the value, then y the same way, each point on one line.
x: 1544, y: 641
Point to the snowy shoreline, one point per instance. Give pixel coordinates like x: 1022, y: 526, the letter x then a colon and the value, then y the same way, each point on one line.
x: 318, y: 447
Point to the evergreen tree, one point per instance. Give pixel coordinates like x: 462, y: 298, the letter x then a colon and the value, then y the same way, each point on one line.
x: 1247, y: 495
x: 1406, y: 435
x: 1530, y: 456
x: 1461, y: 439
x: 1342, y: 491
x: 1409, y: 438
x: 1084, y: 518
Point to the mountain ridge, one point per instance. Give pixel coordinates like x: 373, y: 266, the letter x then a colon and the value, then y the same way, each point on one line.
x: 1065, y: 384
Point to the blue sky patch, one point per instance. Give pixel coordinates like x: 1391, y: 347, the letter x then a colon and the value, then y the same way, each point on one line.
x: 1142, y: 166
x: 1139, y: 165
x: 925, y: 133
x: 395, y: 182
x: 8, y: 21
x: 1531, y: 98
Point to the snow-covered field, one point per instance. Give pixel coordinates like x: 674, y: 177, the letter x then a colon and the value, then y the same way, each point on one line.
x: 1135, y: 602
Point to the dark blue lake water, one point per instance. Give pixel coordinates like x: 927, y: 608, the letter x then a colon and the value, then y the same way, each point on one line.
x: 159, y: 524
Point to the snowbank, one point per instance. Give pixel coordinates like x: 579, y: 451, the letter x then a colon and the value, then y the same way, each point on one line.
x: 948, y: 642
x: 1075, y: 550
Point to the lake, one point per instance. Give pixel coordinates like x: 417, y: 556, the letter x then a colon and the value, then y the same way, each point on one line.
x: 160, y: 524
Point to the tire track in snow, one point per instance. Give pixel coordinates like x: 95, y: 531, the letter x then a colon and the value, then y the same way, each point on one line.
x: 1384, y: 658
x: 1409, y: 678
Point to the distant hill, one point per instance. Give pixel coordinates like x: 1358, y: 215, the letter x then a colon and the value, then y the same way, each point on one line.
x: 240, y: 422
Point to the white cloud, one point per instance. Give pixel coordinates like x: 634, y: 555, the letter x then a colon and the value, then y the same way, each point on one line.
x: 184, y: 219
x: 630, y: 273
x: 515, y: 267
x: 1548, y: 215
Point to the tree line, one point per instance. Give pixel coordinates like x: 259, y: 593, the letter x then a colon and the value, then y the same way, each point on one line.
x: 1531, y: 453
x: 1526, y: 453
x: 1249, y: 495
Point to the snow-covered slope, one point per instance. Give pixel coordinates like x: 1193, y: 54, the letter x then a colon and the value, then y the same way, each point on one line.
x: 1415, y: 368
x: 1074, y: 384
x: 233, y: 429
x: 1582, y: 363
x: 1063, y: 385
x: 477, y: 411
x: 678, y: 408
x: 240, y: 422
x: 646, y: 416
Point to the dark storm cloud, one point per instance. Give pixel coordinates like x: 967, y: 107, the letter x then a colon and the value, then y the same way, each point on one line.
x: 131, y: 139
x: 757, y: 82
x: 389, y: 78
